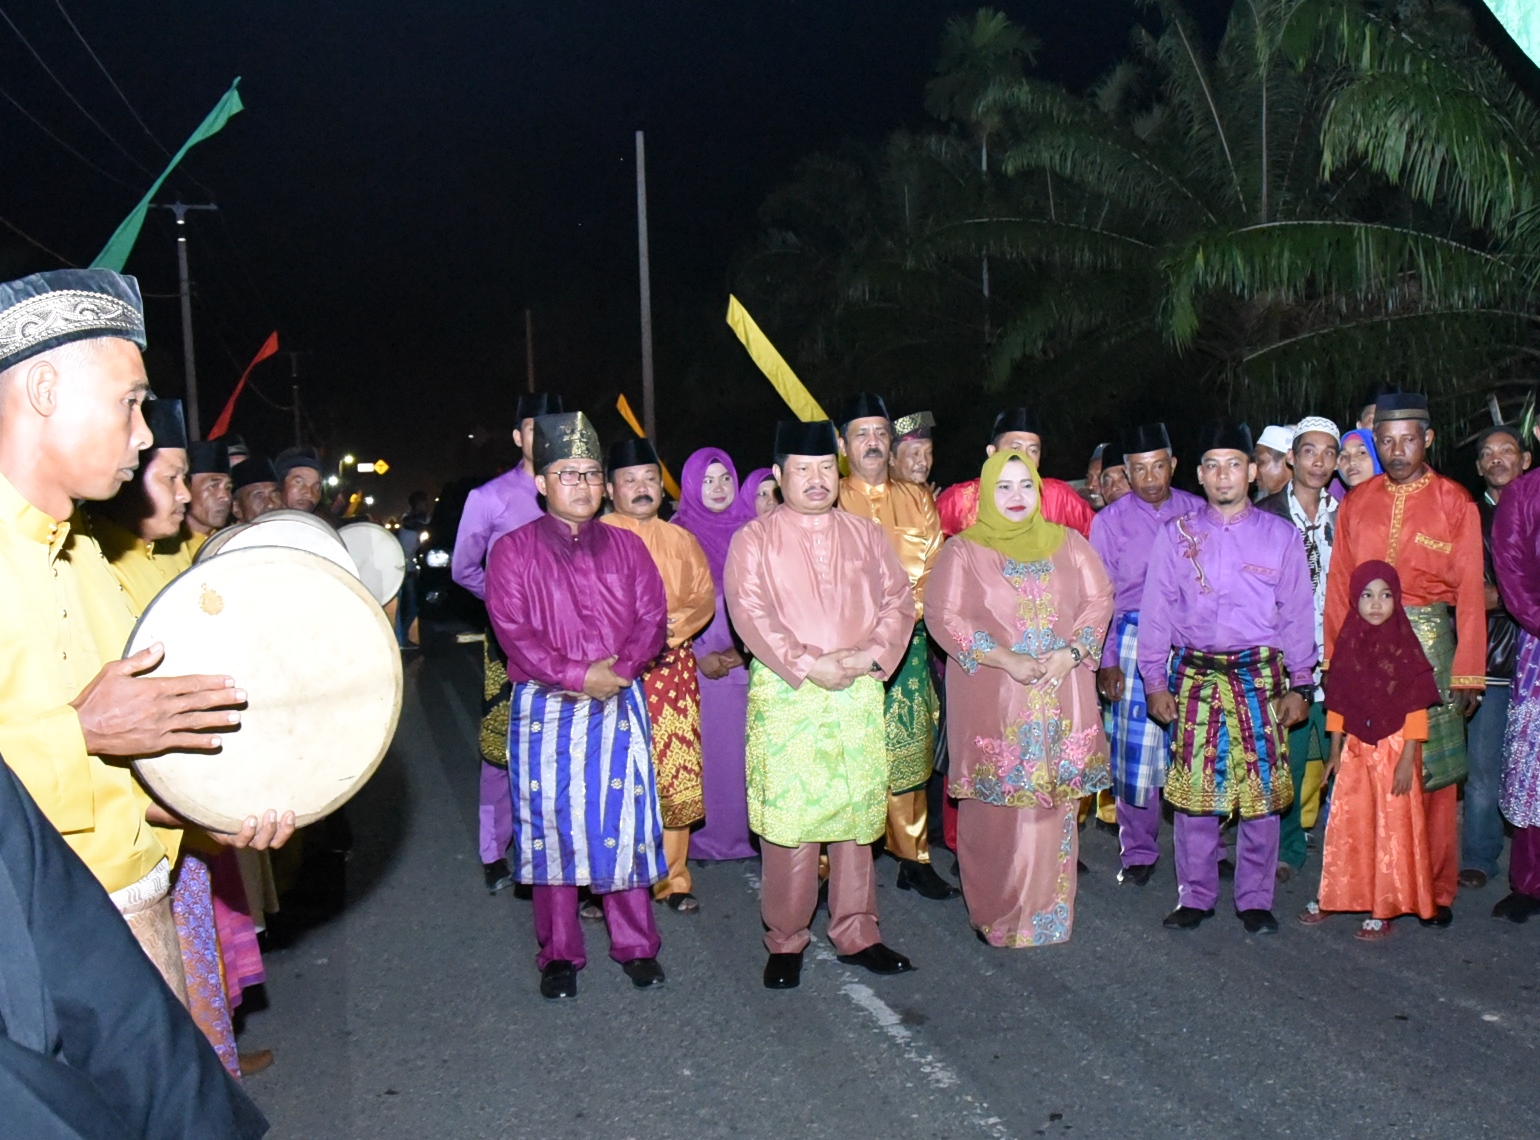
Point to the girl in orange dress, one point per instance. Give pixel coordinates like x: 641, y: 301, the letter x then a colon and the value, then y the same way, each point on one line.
x: 1378, y: 690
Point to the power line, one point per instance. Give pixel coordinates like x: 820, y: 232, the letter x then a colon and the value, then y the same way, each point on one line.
x: 60, y: 83
x: 102, y: 67
x: 36, y: 122
x: 25, y: 236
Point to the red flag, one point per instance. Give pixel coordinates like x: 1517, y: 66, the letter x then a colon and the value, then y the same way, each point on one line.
x: 222, y: 424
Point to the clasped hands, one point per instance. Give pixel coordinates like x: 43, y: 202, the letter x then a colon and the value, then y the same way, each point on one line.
x: 841, y: 668
x: 1291, y: 709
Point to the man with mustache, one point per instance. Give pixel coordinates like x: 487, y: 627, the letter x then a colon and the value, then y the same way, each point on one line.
x: 580, y: 610
x: 1427, y: 527
x: 299, y: 479
x: 1015, y: 429
x: 255, y: 486
x: 907, y: 514
x: 827, y: 610
x: 635, y: 487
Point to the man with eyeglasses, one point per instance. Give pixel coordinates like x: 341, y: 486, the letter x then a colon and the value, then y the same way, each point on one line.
x: 579, y: 609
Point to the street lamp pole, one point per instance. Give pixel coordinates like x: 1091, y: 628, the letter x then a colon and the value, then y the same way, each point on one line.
x: 180, y: 208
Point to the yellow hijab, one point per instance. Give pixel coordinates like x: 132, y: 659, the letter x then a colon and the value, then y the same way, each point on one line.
x: 1031, y: 540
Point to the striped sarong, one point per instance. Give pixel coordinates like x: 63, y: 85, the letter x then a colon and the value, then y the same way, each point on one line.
x: 496, y: 693
x: 1139, y: 746
x: 585, y: 803
x: 1229, y: 752
x: 909, y: 715
x: 673, y: 706
x: 1443, y: 753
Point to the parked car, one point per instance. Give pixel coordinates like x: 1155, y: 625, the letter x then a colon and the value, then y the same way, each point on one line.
x: 439, y: 598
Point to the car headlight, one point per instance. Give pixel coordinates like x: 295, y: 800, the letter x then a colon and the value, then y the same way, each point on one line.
x: 437, y: 559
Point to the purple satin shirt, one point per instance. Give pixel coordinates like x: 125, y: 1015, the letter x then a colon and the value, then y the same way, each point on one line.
x: 1222, y: 587
x: 561, y: 601
x: 1123, y: 534
x: 492, y: 510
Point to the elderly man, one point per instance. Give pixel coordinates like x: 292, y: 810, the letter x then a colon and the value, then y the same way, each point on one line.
x: 299, y: 479
x: 1427, y: 527
x: 1500, y: 459
x: 914, y: 449
x: 212, y: 491
x: 1272, y: 459
x: 254, y: 484
x: 580, y: 610
x: 827, y: 609
x: 1015, y: 429
x: 635, y: 488
x: 907, y: 515
x: 1225, y: 620
x: 1124, y: 534
x: 492, y: 510
x: 1309, y: 506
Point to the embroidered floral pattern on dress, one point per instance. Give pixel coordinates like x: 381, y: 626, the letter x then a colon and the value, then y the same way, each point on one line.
x: 1055, y: 924
x: 973, y: 648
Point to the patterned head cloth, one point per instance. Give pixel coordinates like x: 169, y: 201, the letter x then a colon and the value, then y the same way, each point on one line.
x: 46, y: 310
x: 566, y: 435
x: 1317, y: 423
x: 916, y: 425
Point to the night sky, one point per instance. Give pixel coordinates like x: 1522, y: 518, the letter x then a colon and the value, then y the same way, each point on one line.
x: 407, y: 178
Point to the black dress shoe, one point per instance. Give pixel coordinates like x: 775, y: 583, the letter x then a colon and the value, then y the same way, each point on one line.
x: 879, y: 960
x: 1138, y: 875
x: 1226, y: 869
x: 498, y: 876
x: 1517, y: 907
x: 1081, y: 868
x: 1186, y: 918
x: 643, y: 972
x: 923, y: 879
x: 558, y: 980
x: 1443, y: 917
x: 783, y: 971
x: 1258, y: 921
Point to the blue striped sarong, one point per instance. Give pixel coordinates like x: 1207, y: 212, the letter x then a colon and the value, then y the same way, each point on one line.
x: 1140, y: 748
x: 585, y: 802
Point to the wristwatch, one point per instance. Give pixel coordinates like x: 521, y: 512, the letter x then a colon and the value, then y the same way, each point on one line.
x: 1074, y: 651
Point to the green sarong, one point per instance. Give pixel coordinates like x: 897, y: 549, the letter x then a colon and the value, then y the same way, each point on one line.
x: 1443, y: 755
x: 909, y: 713
x: 817, y: 768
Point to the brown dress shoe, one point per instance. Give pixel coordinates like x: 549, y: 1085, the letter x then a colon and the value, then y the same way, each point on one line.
x: 254, y: 1063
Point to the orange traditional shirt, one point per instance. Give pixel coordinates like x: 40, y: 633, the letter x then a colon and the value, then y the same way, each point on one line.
x: 907, y: 514
x: 1430, y: 531
x: 686, y: 574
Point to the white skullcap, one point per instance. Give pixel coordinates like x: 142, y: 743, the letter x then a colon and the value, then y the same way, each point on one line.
x: 1317, y: 423
x: 1277, y: 436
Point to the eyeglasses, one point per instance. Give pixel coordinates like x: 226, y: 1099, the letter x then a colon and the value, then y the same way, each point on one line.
x: 571, y: 478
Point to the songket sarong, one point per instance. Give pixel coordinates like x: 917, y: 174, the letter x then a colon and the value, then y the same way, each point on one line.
x: 817, y: 761
x: 496, y: 693
x: 1519, y: 798
x: 1138, y: 745
x: 1229, y: 752
x: 909, y: 712
x: 1443, y: 755
x: 585, y: 802
x: 673, y: 705
x: 192, y: 905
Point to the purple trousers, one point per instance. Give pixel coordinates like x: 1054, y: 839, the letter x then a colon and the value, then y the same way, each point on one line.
x: 496, y: 813
x: 1139, y: 831
x: 1197, y: 861
x: 1524, y: 861
x: 627, y: 914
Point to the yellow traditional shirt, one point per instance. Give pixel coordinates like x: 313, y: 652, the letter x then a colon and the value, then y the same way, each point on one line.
x: 907, y: 514
x: 65, y: 616
x: 681, y: 563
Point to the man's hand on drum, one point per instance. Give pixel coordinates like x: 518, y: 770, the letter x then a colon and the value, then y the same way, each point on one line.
x: 272, y: 830
x: 123, y: 714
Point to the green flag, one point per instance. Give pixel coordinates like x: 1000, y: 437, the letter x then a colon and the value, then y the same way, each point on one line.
x: 114, y: 254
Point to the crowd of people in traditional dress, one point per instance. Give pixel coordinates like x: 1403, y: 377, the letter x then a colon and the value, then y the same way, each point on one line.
x: 802, y: 664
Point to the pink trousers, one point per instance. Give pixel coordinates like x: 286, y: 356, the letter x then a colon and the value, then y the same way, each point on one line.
x: 788, y: 896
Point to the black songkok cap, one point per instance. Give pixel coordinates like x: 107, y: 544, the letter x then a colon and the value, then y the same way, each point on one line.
x: 1146, y: 437
x: 793, y: 437
x: 1401, y: 406
x: 533, y: 404
x: 916, y: 425
x: 291, y: 457
x: 1015, y: 419
x: 565, y: 435
x: 633, y: 452
x: 235, y: 445
x: 164, y: 418
x: 46, y: 310
x: 1373, y: 393
x: 210, y: 457
x: 863, y: 406
x: 256, y: 469
x: 1223, y: 435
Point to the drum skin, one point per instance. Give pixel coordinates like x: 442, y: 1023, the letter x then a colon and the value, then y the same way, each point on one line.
x: 322, y: 674
x: 295, y: 529
x: 380, y: 558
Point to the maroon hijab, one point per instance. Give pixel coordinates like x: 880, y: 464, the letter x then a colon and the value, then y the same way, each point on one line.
x: 1378, y: 674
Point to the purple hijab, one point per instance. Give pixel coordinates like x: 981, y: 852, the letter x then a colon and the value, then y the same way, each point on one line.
x: 714, y: 530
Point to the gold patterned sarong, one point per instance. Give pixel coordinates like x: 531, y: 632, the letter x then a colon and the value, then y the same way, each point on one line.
x: 496, y: 695
x: 673, y: 705
x: 910, y: 711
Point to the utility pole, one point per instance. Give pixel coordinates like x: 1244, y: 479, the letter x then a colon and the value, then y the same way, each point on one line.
x: 649, y: 406
x: 180, y: 208
x: 529, y: 348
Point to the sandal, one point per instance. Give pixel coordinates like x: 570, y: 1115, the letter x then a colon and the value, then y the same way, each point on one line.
x: 1373, y: 930
x: 1312, y: 915
x: 683, y: 902
x: 592, y: 911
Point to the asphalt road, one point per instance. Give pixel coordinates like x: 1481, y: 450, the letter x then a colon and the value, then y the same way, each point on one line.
x: 413, y: 1011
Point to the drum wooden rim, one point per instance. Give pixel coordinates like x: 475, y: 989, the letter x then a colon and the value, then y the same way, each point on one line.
x: 396, y: 577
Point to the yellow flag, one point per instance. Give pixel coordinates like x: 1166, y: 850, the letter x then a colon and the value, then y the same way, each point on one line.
x: 772, y: 364
x: 670, y: 484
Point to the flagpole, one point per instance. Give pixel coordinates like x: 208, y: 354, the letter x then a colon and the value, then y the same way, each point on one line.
x: 649, y: 407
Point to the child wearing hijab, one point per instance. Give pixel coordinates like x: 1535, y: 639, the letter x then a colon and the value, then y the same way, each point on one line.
x: 1378, y: 692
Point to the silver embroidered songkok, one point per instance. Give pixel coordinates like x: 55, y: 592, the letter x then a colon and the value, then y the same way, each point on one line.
x: 61, y: 306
